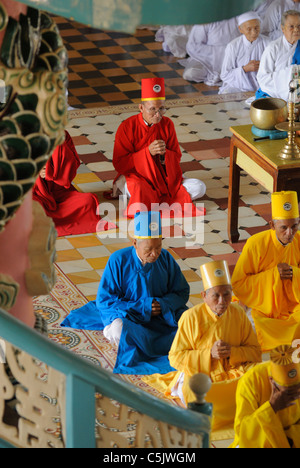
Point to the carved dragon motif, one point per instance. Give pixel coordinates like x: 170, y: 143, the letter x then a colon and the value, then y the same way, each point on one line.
x: 33, y: 111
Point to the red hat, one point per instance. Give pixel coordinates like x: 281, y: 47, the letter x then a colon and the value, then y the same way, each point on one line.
x: 153, y: 89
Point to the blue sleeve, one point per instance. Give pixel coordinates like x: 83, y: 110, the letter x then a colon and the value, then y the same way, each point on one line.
x: 296, y: 57
x: 112, y: 303
x: 173, y: 303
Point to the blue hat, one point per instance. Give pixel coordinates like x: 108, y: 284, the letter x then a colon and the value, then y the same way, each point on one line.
x: 147, y: 225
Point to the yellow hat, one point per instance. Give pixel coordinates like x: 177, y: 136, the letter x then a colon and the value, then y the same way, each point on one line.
x: 215, y: 274
x: 285, y: 205
x: 284, y: 371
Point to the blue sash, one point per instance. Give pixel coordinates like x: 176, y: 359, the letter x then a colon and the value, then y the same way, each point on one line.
x: 296, y: 57
x: 261, y: 94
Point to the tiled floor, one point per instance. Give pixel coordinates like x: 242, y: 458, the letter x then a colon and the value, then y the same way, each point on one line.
x: 205, y: 155
x: 105, y: 70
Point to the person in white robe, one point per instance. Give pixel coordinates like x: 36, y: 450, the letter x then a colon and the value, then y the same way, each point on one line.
x: 275, y: 70
x: 205, y: 47
x: 174, y: 39
x: 271, y: 25
x: 204, y: 44
x: 242, y: 56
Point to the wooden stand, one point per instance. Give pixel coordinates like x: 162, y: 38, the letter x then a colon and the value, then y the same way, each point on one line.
x: 262, y: 162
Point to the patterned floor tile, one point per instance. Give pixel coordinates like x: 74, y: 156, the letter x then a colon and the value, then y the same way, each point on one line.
x: 68, y: 255
x: 98, y: 262
x: 87, y: 277
x: 207, y: 160
x: 94, y: 251
x: 84, y: 241
x: 74, y: 266
x: 106, y: 68
x: 105, y: 71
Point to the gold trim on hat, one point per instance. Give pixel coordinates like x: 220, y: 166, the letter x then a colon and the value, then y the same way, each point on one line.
x: 154, y: 99
x: 148, y: 237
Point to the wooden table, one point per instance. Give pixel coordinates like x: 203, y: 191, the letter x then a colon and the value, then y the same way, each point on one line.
x: 260, y: 160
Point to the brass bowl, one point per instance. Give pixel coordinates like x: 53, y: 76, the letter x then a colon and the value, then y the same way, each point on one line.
x: 265, y: 113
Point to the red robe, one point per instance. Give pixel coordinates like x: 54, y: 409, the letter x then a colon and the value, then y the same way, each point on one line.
x: 149, y: 181
x: 73, y: 212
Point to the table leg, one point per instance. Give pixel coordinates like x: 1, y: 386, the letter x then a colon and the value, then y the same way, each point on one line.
x: 233, y: 195
x: 283, y: 183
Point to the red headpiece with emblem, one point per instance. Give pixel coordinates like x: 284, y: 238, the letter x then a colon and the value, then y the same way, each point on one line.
x: 153, y: 89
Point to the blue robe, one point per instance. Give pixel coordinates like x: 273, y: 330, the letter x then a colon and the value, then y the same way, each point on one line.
x: 126, y: 291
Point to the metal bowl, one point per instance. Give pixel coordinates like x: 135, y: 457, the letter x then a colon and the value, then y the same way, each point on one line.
x: 265, y: 113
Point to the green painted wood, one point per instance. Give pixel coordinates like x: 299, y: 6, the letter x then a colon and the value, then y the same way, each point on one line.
x: 80, y: 413
x: 104, y: 382
x: 4, y: 444
x: 126, y: 15
x: 193, y: 11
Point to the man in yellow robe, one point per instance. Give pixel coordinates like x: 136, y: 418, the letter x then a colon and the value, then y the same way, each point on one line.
x: 268, y: 403
x: 266, y: 277
x: 215, y: 338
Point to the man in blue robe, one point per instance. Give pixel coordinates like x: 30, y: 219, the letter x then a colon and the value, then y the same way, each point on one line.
x: 141, y: 297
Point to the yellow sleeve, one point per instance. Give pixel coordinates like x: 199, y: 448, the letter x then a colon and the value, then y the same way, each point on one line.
x: 256, y: 424
x: 249, y: 349
x: 254, y: 288
x: 296, y: 282
x: 185, y: 355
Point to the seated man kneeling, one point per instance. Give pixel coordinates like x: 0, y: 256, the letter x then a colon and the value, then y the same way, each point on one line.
x: 147, y: 158
x: 242, y: 56
x: 140, y: 299
x: 215, y: 338
x: 267, y: 274
x: 268, y: 403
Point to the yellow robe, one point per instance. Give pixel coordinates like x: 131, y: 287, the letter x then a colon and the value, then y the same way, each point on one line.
x: 256, y: 423
x: 256, y: 283
x: 198, y: 329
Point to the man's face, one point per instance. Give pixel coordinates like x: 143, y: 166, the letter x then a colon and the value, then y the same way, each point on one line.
x: 218, y: 298
x: 291, y: 29
x: 152, y: 111
x: 251, y: 29
x: 285, y: 229
x: 148, y: 249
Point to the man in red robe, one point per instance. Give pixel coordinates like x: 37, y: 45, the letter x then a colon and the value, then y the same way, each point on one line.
x: 147, y: 157
x: 73, y: 212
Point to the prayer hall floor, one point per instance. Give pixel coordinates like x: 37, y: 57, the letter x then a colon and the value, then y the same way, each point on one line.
x: 106, y: 68
x: 105, y: 71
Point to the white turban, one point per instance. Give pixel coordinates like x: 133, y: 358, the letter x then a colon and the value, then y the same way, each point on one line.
x: 250, y: 15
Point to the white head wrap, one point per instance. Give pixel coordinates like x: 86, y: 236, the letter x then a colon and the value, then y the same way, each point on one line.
x: 250, y: 15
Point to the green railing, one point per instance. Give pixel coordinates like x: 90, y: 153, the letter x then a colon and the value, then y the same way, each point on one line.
x: 83, y: 380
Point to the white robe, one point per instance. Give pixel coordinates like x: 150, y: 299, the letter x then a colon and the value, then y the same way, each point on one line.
x: 204, y: 43
x: 275, y: 70
x: 238, y: 53
x: 174, y: 39
x: 206, y: 47
x: 194, y: 187
x: 271, y: 25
